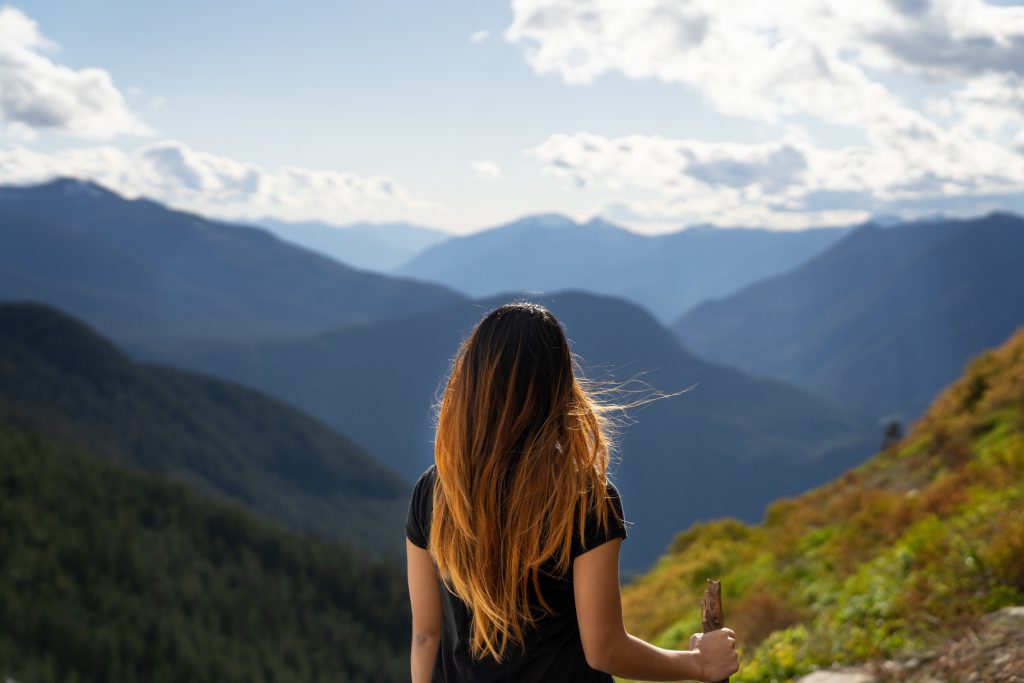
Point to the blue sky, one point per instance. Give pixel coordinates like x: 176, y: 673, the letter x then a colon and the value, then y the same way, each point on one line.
x: 658, y: 114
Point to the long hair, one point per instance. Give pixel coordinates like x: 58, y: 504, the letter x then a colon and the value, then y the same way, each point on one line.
x: 522, y: 450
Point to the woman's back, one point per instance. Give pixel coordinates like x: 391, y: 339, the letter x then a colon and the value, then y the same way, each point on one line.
x: 513, y: 534
x: 552, y: 651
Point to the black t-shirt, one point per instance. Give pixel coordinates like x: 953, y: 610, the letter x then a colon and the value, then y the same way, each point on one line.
x: 552, y: 652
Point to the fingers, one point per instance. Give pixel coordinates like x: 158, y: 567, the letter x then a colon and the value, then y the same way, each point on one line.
x: 730, y: 636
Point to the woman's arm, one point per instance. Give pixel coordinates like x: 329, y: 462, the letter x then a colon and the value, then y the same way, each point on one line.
x: 425, y: 597
x: 607, y: 645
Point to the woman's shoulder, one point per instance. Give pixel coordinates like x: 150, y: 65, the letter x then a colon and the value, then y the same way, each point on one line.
x: 428, y: 476
x: 425, y: 482
x: 421, y: 508
x: 429, y: 472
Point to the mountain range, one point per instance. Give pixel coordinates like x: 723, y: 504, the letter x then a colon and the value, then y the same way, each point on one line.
x: 207, y: 432
x: 881, y: 320
x: 667, y: 274
x: 727, y: 446
x: 366, y: 353
x: 135, y: 269
x: 380, y: 247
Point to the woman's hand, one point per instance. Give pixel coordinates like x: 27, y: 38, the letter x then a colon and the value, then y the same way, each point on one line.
x: 716, y: 653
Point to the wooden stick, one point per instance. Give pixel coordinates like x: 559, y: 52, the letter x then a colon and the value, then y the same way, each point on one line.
x: 711, y: 615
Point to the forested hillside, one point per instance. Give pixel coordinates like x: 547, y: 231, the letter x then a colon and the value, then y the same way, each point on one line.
x: 110, y: 574
x: 221, y: 438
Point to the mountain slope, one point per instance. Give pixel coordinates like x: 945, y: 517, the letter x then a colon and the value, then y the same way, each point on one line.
x: 889, y: 560
x: 755, y: 436
x: 879, y: 322
x: 666, y: 274
x: 381, y: 247
x: 115, y: 575
x: 219, y: 437
x: 138, y: 269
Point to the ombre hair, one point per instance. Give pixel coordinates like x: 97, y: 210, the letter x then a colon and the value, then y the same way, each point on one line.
x: 522, y: 450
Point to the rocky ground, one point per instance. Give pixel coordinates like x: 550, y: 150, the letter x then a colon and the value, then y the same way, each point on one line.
x: 991, y: 651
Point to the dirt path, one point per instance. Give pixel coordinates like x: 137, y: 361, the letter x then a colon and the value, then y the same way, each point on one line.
x: 992, y: 651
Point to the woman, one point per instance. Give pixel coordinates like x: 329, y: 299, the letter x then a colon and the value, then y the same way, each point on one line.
x: 513, y: 534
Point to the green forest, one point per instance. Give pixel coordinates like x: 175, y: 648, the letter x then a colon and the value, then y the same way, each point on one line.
x: 113, y: 574
x: 158, y: 525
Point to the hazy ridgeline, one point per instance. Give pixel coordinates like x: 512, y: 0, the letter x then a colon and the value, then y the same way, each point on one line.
x: 242, y: 524
x: 223, y: 439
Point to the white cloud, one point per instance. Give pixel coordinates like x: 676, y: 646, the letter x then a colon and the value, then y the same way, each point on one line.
x: 989, y: 103
x: 746, y: 57
x: 670, y: 165
x: 169, y: 171
x: 486, y: 170
x: 479, y: 36
x: 37, y: 94
x: 785, y: 54
x: 771, y: 61
x: 938, y: 38
x: 784, y: 64
x: 788, y: 182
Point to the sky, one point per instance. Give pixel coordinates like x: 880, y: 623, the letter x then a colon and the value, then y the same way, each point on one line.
x: 465, y: 114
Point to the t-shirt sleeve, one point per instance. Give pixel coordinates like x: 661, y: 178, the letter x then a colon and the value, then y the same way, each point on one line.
x: 593, y: 534
x: 417, y: 521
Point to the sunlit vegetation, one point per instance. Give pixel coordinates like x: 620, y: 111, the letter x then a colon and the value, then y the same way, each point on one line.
x: 894, y: 557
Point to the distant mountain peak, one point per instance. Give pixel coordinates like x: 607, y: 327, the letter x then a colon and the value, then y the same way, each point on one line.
x: 543, y: 220
x: 65, y: 190
x: 601, y: 223
x: 1003, y: 214
x: 701, y: 228
x: 886, y: 219
x: 77, y: 187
